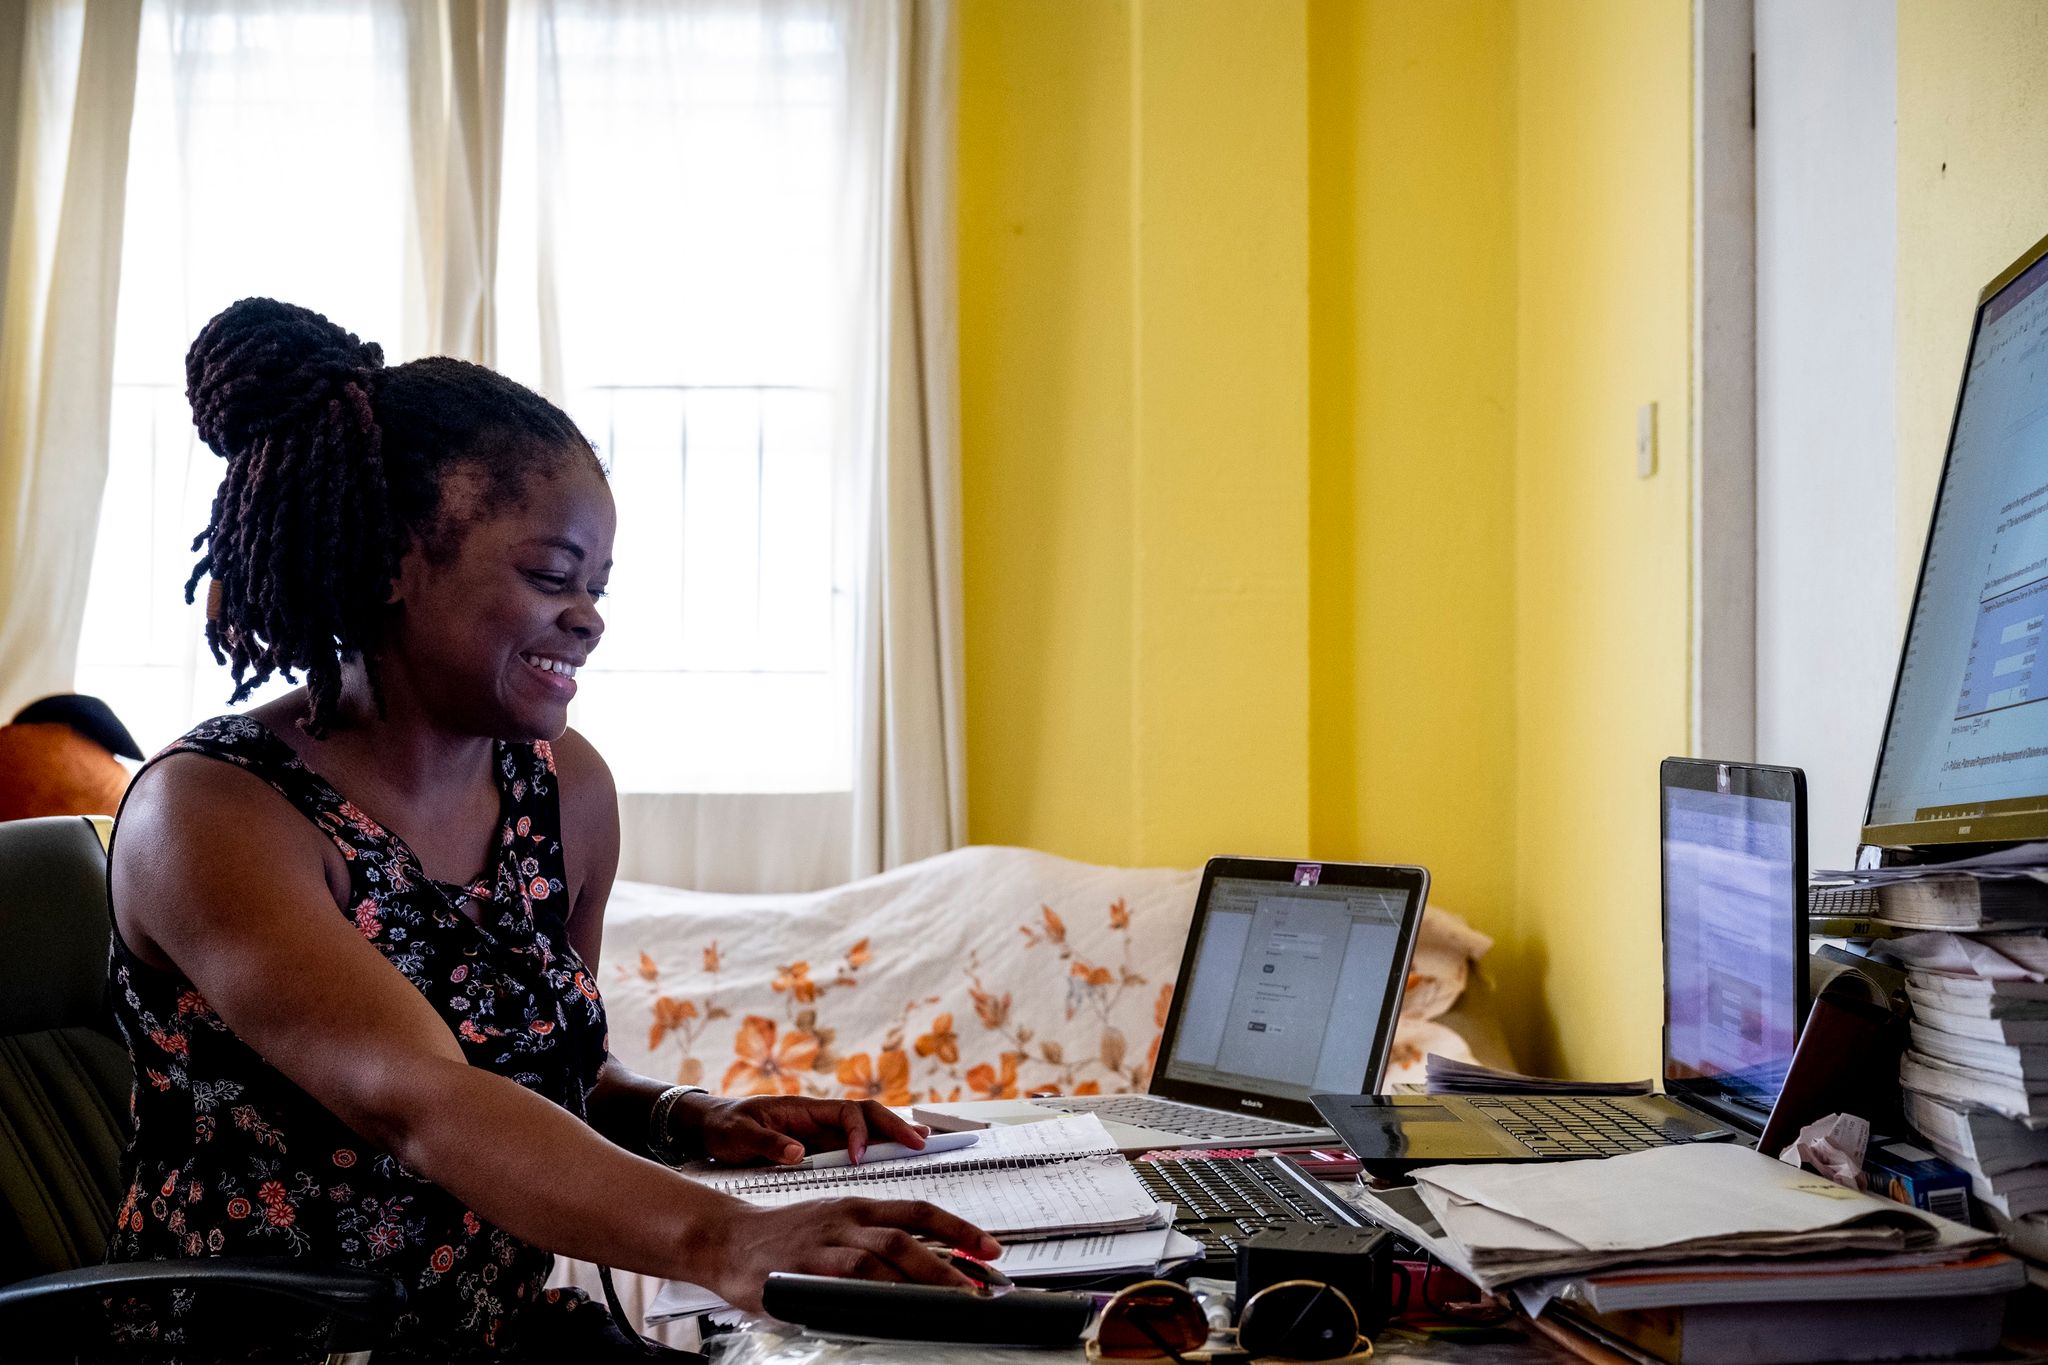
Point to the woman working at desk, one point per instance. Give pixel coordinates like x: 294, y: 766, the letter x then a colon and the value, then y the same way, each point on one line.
x: 358, y: 926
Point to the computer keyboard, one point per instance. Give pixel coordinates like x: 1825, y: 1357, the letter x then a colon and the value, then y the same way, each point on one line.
x: 1572, y: 1125
x: 1840, y: 902
x: 1186, y: 1120
x: 1220, y: 1201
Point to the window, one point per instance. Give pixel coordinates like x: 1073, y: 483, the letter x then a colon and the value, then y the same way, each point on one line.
x: 672, y: 268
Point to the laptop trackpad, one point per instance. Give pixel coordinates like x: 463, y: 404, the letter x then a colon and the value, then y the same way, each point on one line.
x: 1415, y: 1129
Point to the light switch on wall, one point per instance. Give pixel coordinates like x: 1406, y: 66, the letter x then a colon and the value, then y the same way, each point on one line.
x: 1646, y: 440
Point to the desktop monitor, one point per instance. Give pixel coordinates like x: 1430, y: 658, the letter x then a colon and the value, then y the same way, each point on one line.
x: 1965, y: 754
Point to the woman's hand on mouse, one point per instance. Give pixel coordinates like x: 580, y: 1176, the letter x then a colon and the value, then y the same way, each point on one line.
x: 781, y: 1128
x: 863, y: 1239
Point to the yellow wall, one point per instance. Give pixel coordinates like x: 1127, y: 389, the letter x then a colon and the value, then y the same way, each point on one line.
x: 1411, y: 514
x: 1236, y: 339
x: 1133, y: 210
x: 1602, y: 557
x: 1301, y: 345
x: 1973, y: 135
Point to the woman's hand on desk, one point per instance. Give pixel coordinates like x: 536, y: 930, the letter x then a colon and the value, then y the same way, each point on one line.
x: 781, y: 1128
x: 863, y: 1239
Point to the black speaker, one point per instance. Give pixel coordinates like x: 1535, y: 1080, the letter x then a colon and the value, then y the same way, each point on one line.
x: 1357, y: 1261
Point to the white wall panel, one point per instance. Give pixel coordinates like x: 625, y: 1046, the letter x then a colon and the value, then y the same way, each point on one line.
x: 1826, y: 188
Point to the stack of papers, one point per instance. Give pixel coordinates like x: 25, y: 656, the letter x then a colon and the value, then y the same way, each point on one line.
x: 1050, y: 1261
x: 1065, y: 1204
x: 1449, y: 1076
x: 1503, y: 1225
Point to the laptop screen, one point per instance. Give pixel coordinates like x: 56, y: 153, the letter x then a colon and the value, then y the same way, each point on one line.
x: 1288, y: 986
x: 1734, y: 930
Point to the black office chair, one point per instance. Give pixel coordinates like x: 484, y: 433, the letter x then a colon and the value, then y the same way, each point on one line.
x: 64, y: 1083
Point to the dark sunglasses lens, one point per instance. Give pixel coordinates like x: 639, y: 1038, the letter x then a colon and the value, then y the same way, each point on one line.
x: 1298, y: 1321
x: 1146, y: 1322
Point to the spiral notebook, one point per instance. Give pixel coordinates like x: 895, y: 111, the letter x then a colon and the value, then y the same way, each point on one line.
x: 1029, y: 1180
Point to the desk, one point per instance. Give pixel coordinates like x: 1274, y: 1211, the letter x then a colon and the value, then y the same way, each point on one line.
x: 765, y: 1347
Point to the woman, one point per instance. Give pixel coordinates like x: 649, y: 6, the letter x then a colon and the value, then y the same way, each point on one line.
x: 358, y: 927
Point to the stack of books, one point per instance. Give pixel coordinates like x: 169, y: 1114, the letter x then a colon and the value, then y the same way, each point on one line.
x: 1710, y: 1253
x: 1974, y: 938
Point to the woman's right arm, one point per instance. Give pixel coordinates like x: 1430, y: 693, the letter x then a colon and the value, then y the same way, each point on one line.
x: 218, y: 875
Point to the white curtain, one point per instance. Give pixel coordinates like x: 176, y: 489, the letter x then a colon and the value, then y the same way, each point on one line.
x: 272, y: 154
x: 67, y: 77
x: 910, y: 793
x: 719, y: 233
x: 742, y: 248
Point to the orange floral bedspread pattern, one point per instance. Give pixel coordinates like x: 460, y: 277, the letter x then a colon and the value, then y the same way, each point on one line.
x: 984, y: 973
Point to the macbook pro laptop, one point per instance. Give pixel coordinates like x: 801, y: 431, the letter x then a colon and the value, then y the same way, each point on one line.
x: 1290, y: 984
x: 1735, y: 996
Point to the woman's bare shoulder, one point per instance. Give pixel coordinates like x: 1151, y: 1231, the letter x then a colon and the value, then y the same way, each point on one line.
x: 192, y: 824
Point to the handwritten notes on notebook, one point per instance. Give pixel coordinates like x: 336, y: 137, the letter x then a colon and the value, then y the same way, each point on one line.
x: 1020, y: 1181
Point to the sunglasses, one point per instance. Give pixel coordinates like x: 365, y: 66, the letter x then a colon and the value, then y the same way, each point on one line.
x: 1294, y: 1320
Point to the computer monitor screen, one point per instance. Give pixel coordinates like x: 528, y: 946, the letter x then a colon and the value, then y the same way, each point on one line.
x: 1965, y: 753
x: 1289, y: 987
x: 1734, y: 929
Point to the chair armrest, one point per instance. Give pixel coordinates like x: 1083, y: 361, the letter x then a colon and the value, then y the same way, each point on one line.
x: 361, y: 1302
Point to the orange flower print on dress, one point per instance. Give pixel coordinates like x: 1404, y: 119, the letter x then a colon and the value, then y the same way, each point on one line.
x: 712, y: 961
x: 941, y: 1042
x: 1119, y: 914
x: 538, y: 888
x: 444, y: 1259
x: 546, y: 753
x: 766, y: 1066
x: 888, y: 1082
x: 990, y: 1084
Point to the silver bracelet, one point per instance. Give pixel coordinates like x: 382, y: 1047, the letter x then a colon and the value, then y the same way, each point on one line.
x: 661, y: 1143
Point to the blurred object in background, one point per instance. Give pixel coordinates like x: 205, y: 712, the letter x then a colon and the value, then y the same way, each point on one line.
x: 57, y: 757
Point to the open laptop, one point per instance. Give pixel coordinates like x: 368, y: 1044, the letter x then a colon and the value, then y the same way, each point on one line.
x: 1290, y: 983
x: 1734, y: 883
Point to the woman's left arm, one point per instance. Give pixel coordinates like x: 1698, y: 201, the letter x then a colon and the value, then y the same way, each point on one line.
x: 758, y: 1128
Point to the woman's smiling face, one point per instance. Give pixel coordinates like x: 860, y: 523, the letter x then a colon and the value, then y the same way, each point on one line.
x: 489, y: 636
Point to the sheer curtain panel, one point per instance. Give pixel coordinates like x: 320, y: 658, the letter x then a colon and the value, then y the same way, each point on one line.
x: 272, y: 154
x: 708, y: 254
x: 67, y: 76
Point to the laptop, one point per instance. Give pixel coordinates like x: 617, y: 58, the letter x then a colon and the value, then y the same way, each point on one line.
x: 1734, y: 917
x: 1290, y: 984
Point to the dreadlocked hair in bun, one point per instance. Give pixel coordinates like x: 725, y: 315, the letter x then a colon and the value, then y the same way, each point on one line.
x: 334, y: 471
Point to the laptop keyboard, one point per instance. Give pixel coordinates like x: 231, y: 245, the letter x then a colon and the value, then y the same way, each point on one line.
x: 1841, y: 902
x: 1572, y: 1126
x: 1220, y: 1201
x: 1186, y: 1120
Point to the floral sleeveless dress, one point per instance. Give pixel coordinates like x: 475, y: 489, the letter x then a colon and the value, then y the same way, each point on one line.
x: 231, y: 1158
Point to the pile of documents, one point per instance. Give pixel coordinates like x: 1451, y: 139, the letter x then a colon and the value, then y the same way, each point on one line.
x: 1975, y: 1077
x: 1057, y: 1194
x: 1706, y: 1242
